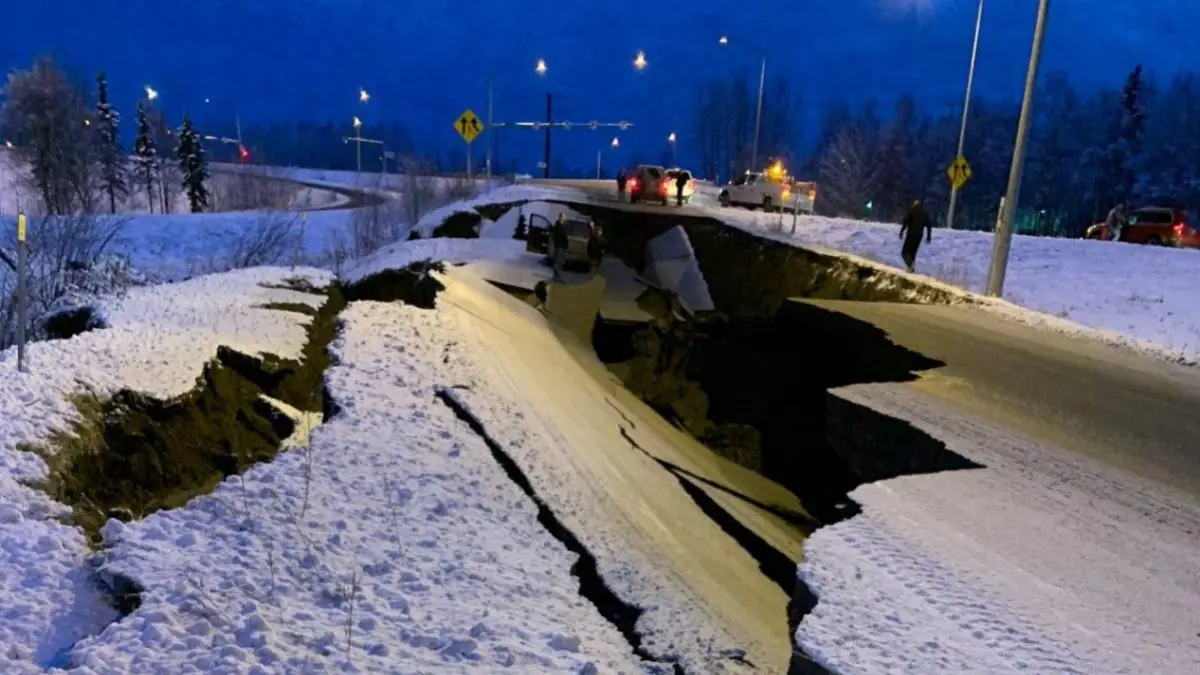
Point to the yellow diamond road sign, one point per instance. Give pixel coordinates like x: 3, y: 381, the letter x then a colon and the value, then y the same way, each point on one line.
x: 468, y: 125
x: 959, y: 172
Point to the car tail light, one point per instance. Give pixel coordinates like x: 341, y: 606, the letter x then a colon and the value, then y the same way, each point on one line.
x: 633, y: 184
x: 662, y: 187
x: 812, y: 194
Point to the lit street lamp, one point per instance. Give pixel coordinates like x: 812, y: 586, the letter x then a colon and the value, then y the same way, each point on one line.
x: 151, y: 93
x: 1002, y: 240
x: 540, y: 69
x: 363, y: 96
x: 616, y: 143
x: 640, y: 61
x: 762, y: 79
x: 358, y: 144
x: 962, y: 131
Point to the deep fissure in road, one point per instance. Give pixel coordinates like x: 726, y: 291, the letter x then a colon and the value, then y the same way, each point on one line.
x: 752, y: 380
x: 592, y: 586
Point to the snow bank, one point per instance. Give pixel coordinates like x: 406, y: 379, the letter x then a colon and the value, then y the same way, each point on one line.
x: 1042, y: 562
x: 159, y: 341
x: 395, y: 543
x: 1141, y: 297
x: 398, y: 256
x: 508, y: 194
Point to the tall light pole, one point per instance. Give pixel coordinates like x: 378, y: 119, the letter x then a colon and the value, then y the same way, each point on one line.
x: 358, y: 144
x: 962, y: 130
x: 1002, y: 240
x: 540, y: 68
x: 616, y: 143
x: 762, y: 80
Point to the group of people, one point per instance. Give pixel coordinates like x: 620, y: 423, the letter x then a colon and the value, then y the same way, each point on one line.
x: 561, y: 239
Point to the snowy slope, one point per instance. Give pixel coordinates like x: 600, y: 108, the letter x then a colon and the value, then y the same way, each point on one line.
x: 405, y: 550
x: 1042, y: 562
x: 159, y: 341
x: 1141, y: 296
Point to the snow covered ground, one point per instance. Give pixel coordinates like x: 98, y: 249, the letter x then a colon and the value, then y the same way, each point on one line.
x: 1042, y: 562
x: 1140, y: 296
x: 160, y: 338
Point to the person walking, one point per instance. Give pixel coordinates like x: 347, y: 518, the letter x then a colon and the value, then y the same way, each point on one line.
x: 681, y: 181
x: 622, y: 180
x: 1115, y: 222
x: 915, y: 221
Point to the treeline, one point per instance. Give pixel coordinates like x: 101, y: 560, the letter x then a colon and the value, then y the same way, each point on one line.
x: 68, y: 137
x: 1137, y: 142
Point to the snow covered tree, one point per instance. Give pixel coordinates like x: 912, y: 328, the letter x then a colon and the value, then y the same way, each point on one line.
x: 109, y: 151
x: 145, y: 154
x: 849, y: 174
x: 193, y: 165
x: 44, y: 116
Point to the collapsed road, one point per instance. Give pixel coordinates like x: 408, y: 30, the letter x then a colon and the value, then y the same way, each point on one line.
x: 752, y: 379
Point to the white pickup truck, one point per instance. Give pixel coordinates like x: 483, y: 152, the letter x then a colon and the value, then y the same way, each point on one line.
x: 756, y: 189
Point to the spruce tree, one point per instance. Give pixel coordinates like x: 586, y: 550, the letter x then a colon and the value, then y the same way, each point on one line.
x: 193, y: 166
x: 145, y: 154
x: 1133, y: 122
x: 111, y: 155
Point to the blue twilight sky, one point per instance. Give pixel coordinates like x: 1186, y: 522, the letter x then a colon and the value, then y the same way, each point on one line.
x: 424, y: 62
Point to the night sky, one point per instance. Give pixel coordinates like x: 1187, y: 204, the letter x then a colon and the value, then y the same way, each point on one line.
x: 424, y: 62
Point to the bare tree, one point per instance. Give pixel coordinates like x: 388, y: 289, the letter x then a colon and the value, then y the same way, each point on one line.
x: 849, y: 174
x: 47, y: 119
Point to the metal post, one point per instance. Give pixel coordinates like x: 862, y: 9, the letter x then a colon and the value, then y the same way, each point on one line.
x: 962, y: 131
x: 469, y: 167
x: 598, y: 152
x: 549, y: 125
x: 22, y: 292
x: 358, y: 144
x: 762, y: 80
x: 489, y: 131
x: 1003, y: 237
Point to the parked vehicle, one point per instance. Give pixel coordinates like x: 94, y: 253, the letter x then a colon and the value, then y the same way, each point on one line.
x: 689, y: 188
x: 770, y: 189
x: 580, y: 231
x: 649, y: 183
x: 1154, y: 226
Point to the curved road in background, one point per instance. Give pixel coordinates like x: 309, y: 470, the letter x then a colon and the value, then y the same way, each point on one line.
x: 1129, y: 411
x: 356, y: 198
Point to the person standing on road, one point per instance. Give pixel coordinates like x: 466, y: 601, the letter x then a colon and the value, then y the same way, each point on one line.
x: 595, y: 248
x: 558, y: 236
x: 1115, y: 222
x: 622, y: 180
x: 681, y: 181
x: 915, y: 221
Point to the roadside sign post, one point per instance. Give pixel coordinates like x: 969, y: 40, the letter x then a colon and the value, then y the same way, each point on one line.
x: 468, y: 127
x: 22, y: 291
x: 795, y: 211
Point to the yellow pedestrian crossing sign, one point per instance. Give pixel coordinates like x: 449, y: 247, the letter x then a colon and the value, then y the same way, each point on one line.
x: 959, y: 172
x: 468, y: 125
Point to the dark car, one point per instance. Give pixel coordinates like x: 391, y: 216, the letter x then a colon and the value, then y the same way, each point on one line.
x: 649, y: 183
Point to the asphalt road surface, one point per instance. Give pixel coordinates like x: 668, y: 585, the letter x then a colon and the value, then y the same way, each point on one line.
x: 1131, y: 412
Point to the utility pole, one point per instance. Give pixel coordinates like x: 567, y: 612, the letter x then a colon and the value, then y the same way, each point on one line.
x: 762, y: 80
x: 22, y: 291
x: 1002, y: 240
x: 549, y: 125
x: 962, y: 131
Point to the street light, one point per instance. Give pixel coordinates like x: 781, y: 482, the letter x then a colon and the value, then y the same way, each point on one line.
x: 640, y: 61
x: 616, y: 143
x: 671, y: 140
x: 962, y: 131
x: 151, y: 93
x: 540, y: 68
x: 358, y: 145
x: 1003, y: 237
x: 762, y: 80
x: 363, y: 96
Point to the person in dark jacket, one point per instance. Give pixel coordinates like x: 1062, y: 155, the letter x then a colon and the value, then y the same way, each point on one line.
x: 558, y: 236
x: 915, y: 221
x: 595, y: 248
x: 622, y: 181
x: 681, y: 181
